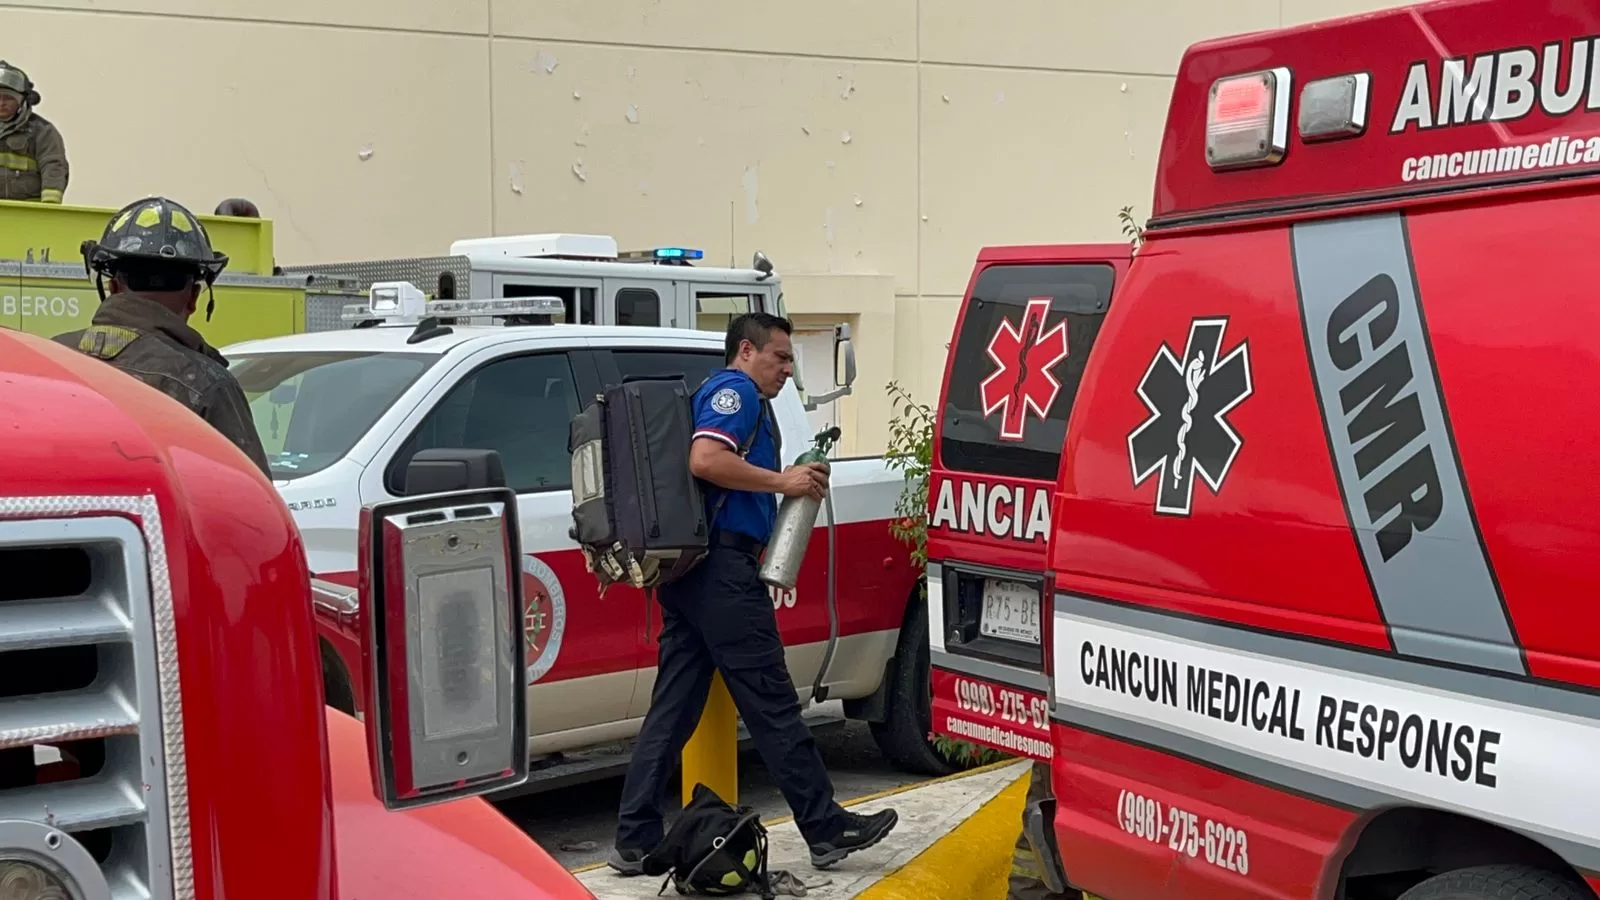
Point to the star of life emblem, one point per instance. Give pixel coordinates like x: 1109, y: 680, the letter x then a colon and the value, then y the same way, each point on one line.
x: 725, y: 401
x: 1024, y: 355
x: 1187, y: 432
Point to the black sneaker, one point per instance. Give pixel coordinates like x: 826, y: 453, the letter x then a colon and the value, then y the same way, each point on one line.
x: 626, y: 861
x: 859, y: 833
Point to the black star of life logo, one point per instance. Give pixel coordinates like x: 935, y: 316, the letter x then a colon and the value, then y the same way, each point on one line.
x: 1187, y: 432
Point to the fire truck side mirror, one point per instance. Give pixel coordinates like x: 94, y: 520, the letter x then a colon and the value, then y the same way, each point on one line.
x: 844, y: 356
x: 441, y: 624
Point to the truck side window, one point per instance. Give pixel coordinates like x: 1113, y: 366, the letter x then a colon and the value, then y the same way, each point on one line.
x: 714, y: 310
x: 638, y: 306
x: 519, y: 406
x: 579, y: 300
x: 694, y: 365
x: 990, y: 419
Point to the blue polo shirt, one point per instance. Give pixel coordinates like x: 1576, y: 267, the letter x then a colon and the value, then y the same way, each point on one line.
x: 727, y: 406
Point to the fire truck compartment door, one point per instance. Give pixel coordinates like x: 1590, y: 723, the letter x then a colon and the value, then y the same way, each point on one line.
x: 655, y: 301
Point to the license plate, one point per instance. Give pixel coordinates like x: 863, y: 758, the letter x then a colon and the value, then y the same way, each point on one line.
x: 1010, y: 611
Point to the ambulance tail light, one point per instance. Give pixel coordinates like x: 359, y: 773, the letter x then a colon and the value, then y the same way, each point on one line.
x: 1333, y: 108
x: 1247, y: 120
x: 441, y: 618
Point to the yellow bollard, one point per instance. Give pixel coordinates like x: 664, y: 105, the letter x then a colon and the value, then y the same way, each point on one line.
x: 711, y: 757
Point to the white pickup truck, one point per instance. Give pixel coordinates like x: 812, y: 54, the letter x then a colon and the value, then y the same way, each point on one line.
x: 341, y: 414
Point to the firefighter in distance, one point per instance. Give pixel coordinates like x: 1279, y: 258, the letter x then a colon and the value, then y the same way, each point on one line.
x: 33, y: 156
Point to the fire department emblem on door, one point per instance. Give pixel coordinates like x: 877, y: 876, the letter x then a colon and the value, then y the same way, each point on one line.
x: 1187, y: 431
x: 545, y: 619
x: 1024, y: 356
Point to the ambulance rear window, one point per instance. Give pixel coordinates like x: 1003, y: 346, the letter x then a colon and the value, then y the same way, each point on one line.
x: 1003, y: 413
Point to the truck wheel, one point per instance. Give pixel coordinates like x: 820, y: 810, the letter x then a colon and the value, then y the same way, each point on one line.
x: 1498, y: 883
x: 903, y: 734
x: 336, y: 689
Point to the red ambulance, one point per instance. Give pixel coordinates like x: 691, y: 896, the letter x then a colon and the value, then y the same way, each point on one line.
x: 1323, y: 585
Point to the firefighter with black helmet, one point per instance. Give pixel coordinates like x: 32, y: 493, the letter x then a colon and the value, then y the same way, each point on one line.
x: 33, y: 157
x: 158, y: 256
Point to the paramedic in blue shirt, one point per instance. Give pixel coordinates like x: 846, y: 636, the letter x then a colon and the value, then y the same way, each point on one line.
x: 719, y: 617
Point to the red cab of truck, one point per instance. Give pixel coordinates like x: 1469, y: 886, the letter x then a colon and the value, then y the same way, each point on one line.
x: 1323, y: 620
x: 162, y: 726
x: 1025, y: 332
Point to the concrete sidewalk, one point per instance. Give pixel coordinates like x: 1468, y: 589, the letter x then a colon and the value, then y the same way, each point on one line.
x: 953, y: 842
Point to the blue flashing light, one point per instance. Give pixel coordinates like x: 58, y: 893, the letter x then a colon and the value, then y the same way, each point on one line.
x: 679, y: 253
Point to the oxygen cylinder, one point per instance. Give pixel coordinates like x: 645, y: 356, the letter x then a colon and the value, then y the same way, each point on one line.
x: 791, y: 533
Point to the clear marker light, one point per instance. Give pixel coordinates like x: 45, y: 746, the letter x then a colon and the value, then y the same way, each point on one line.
x: 1333, y: 108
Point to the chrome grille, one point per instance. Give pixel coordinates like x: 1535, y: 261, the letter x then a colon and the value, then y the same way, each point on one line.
x: 82, y: 721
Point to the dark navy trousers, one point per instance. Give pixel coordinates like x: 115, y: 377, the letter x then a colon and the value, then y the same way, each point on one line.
x: 719, y: 617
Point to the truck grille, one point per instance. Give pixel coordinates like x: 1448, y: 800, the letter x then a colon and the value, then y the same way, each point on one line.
x: 90, y: 724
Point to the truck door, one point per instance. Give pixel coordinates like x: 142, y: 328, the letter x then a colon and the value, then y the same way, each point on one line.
x: 516, y: 399
x: 1023, y: 338
x: 614, y: 365
x: 644, y: 301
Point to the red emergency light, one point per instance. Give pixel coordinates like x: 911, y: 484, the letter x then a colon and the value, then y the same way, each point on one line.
x: 1247, y: 119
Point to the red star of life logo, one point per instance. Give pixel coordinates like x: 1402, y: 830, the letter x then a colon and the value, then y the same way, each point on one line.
x: 1023, y: 379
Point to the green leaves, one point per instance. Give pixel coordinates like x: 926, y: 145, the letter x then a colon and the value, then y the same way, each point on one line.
x: 910, y: 451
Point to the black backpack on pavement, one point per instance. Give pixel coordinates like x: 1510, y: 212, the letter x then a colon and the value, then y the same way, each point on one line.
x: 713, y: 849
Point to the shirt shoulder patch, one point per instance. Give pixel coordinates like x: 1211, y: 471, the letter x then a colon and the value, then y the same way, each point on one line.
x: 726, y: 401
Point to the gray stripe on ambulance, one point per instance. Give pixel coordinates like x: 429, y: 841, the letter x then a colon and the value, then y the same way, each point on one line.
x: 989, y: 671
x: 1390, y: 439
x: 1301, y: 780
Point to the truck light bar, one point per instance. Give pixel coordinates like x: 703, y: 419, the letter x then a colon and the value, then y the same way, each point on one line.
x: 1334, y: 108
x: 503, y: 306
x: 1247, y: 119
x: 401, y: 302
x: 663, y: 253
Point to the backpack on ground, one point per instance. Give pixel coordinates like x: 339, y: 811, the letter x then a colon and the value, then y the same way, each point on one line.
x: 638, y: 512
x: 713, y: 849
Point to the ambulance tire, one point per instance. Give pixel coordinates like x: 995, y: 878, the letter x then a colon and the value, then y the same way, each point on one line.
x: 1498, y: 883
x: 902, y: 736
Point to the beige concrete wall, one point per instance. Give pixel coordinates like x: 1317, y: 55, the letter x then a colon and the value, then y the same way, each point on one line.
x: 890, y: 139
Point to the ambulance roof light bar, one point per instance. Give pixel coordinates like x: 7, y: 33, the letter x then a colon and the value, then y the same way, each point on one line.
x: 1247, y: 119
x: 402, y: 303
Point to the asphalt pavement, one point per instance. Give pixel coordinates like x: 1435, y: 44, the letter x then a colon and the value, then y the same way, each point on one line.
x: 576, y: 824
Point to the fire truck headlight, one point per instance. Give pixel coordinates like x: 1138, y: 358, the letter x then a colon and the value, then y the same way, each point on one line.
x: 445, y: 654
x: 38, y: 862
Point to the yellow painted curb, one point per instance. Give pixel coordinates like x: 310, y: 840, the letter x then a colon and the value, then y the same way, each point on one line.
x: 856, y: 801
x: 972, y: 862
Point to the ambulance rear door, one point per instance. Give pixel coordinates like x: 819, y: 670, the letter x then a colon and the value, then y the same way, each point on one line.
x: 1022, y: 339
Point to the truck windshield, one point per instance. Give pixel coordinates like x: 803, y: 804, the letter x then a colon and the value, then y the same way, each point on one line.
x: 311, y: 408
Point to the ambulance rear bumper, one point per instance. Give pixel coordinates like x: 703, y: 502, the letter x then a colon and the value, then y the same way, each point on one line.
x: 1038, y: 826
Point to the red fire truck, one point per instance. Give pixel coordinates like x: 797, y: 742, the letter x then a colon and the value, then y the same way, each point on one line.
x: 1322, y: 619
x: 162, y: 727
